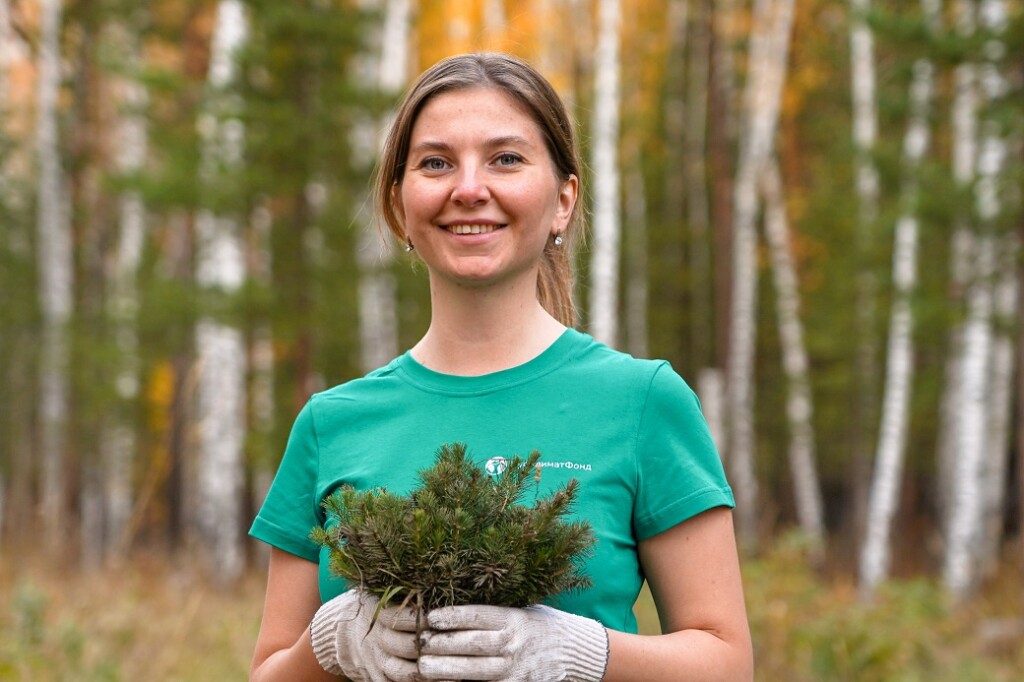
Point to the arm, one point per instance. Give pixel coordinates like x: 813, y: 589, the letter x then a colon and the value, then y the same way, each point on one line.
x: 694, y: 575
x: 283, y: 649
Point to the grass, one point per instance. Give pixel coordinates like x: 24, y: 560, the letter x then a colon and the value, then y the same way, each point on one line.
x: 142, y: 621
x: 152, y: 621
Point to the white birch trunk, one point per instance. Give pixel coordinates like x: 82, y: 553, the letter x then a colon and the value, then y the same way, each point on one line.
x: 962, y: 545
x: 377, y: 291
x: 991, y: 166
x: 799, y: 403
x: 875, y: 558
x: 865, y: 115
x: 769, y: 51
x: 964, y: 159
x: 220, y: 346
x: 995, y: 470
x: 604, y: 263
x: 123, y: 308
x: 55, y: 286
x: 965, y: 544
x: 865, y: 133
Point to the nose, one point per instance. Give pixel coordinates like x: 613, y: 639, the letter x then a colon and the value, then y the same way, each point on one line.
x: 470, y: 187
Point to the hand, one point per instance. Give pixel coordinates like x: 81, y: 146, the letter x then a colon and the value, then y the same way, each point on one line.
x: 346, y: 640
x: 533, y: 644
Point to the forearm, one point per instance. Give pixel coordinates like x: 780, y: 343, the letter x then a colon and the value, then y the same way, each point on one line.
x: 296, y: 662
x: 690, y: 655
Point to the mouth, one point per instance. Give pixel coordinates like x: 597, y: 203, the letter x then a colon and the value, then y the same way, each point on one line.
x: 473, y: 229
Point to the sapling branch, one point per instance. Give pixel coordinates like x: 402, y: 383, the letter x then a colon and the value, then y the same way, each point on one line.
x: 461, y: 537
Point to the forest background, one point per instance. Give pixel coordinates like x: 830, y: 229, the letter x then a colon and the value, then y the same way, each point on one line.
x: 812, y: 208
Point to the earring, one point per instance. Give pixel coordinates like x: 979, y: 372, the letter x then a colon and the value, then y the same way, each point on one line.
x: 408, y: 246
x: 558, y: 239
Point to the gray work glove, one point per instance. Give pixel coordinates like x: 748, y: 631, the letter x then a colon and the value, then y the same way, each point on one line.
x: 345, y: 643
x: 532, y: 644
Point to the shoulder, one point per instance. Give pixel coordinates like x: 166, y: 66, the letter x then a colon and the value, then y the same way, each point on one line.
x: 658, y: 391
x: 612, y: 366
x: 357, y: 387
x: 598, y: 355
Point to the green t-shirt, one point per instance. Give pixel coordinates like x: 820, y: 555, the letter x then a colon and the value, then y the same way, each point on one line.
x: 629, y: 430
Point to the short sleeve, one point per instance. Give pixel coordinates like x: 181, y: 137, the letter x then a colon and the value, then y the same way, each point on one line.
x: 291, y: 508
x: 679, y: 471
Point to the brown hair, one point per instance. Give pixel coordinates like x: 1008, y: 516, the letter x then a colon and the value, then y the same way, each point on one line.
x: 524, y: 84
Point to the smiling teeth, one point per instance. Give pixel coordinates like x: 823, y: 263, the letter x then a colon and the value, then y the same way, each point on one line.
x: 472, y: 229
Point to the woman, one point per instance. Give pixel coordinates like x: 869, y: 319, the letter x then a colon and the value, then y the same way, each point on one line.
x: 480, y: 177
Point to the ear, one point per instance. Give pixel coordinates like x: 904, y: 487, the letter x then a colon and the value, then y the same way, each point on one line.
x: 396, y: 202
x: 567, y: 195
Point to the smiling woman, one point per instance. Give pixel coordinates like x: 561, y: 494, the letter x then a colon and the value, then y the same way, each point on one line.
x: 480, y: 196
x: 499, y: 80
x: 480, y: 174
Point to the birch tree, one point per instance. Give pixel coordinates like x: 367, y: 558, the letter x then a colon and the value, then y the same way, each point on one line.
x: 993, y: 166
x: 604, y: 263
x: 960, y: 565
x: 865, y: 134
x: 892, y: 435
x: 378, y: 316
x: 964, y: 160
x: 965, y: 538
x: 995, y: 469
x: 123, y: 305
x: 220, y: 345
x: 799, y: 404
x: 769, y: 51
x: 55, y: 279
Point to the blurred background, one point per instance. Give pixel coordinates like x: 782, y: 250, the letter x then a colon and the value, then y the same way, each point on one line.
x: 812, y: 208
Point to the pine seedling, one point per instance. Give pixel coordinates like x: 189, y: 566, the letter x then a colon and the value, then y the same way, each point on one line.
x: 461, y: 537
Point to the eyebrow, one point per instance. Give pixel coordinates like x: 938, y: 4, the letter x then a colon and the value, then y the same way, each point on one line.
x: 500, y: 141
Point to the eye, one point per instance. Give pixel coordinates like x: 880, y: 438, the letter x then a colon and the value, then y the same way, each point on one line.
x: 434, y: 163
x: 508, y: 160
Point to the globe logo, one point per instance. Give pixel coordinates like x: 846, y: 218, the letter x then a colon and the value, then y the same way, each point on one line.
x: 496, y: 466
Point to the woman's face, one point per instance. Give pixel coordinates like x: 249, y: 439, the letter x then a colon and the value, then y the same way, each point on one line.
x: 480, y: 196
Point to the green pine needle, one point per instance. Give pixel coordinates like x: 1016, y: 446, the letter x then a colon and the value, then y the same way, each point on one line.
x: 462, y: 537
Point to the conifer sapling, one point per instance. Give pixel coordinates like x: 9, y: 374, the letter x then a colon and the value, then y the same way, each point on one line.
x: 461, y: 537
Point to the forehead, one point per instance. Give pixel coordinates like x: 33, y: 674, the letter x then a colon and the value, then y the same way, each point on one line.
x: 473, y: 112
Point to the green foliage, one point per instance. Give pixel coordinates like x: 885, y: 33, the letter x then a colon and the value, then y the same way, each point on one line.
x: 806, y: 629
x: 154, y: 620
x: 462, y: 537
x: 129, y: 623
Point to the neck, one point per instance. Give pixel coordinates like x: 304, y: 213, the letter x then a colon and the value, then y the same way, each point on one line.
x: 480, y: 331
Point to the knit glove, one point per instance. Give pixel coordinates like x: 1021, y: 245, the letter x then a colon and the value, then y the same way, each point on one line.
x: 347, y: 640
x: 532, y: 644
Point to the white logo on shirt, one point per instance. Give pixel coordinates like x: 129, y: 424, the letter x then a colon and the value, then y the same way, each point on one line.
x: 496, y: 466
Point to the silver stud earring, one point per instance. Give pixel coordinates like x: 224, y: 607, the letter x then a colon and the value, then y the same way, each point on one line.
x: 408, y: 246
x: 558, y: 239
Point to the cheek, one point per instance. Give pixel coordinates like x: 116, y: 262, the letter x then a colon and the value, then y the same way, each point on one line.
x: 419, y: 201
